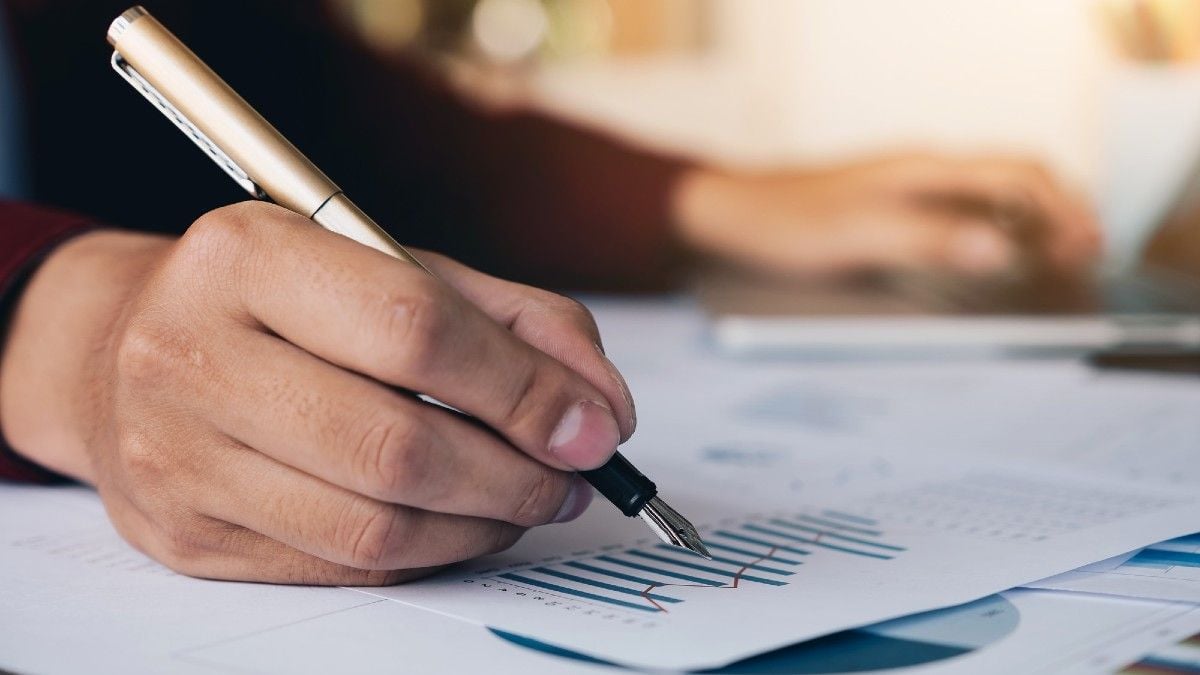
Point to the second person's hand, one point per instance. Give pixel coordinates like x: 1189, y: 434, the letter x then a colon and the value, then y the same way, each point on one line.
x: 967, y: 215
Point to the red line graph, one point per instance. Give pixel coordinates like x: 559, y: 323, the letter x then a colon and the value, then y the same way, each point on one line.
x: 737, y: 578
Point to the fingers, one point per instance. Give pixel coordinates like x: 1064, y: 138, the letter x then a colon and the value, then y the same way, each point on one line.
x: 910, y: 239
x: 1071, y: 232
x: 364, y: 311
x: 204, y: 547
x: 559, y: 326
x: 354, y: 433
x: 255, y: 492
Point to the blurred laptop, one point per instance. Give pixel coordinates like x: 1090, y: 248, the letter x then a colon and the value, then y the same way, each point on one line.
x: 1152, y: 307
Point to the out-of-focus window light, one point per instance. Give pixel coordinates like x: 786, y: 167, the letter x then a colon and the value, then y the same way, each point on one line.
x: 579, y: 28
x: 508, y: 31
x: 387, y: 25
x: 514, y: 32
x: 1163, y: 31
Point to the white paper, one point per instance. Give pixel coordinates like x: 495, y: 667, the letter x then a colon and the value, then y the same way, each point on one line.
x: 899, y: 533
x: 1014, y: 632
x: 75, y: 598
x: 1166, y: 571
x: 1045, y: 633
x: 978, y: 475
x: 88, y: 603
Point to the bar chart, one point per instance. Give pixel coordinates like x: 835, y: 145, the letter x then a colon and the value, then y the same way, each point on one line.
x: 1168, y: 570
x: 1179, y: 558
x: 765, y: 552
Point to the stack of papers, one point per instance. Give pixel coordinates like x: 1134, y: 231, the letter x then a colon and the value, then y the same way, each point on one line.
x: 836, y: 499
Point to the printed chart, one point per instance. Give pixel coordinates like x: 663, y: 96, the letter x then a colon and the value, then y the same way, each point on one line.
x: 767, y: 552
x: 1166, y: 571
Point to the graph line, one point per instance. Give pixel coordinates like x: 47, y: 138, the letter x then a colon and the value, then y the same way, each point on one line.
x: 737, y: 578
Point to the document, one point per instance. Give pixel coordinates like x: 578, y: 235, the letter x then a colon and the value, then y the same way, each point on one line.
x: 1169, y: 570
x: 811, y: 532
x: 832, y: 495
x: 1014, y: 632
x: 1183, y: 657
x: 74, y: 597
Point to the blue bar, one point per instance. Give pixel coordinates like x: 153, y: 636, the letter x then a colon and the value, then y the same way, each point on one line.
x: 762, y: 542
x: 850, y: 517
x: 1189, y: 540
x: 579, y: 594
x: 736, y: 563
x: 705, y: 568
x: 1158, y: 556
x: 751, y: 554
x: 856, y: 540
x: 841, y: 526
x: 835, y: 547
x: 656, y: 570
x: 607, y: 587
x: 614, y: 574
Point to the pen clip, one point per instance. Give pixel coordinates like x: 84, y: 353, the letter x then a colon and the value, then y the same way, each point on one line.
x: 130, y: 75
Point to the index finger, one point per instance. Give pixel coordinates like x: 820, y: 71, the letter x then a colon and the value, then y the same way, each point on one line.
x: 559, y: 326
x: 367, y: 312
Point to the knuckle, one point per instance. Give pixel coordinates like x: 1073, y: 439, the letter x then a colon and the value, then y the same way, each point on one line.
x: 184, y: 545
x: 539, y: 502
x: 391, y: 458
x: 150, y: 352
x: 505, y: 538
x: 528, y: 402
x: 390, y: 577
x: 142, y: 460
x: 414, y: 322
x: 230, y: 246
x: 574, y: 312
x: 140, y: 355
x: 370, y: 536
x: 220, y: 233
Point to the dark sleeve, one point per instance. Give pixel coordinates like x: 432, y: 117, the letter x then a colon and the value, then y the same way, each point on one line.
x: 27, y: 234
x: 517, y: 194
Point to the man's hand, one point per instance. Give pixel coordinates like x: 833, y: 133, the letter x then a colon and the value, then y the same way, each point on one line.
x: 972, y: 216
x: 239, y: 398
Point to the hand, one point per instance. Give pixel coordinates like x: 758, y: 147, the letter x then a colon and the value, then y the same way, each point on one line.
x: 238, y: 397
x: 975, y: 216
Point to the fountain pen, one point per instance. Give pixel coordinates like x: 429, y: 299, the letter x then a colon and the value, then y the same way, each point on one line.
x: 160, y: 67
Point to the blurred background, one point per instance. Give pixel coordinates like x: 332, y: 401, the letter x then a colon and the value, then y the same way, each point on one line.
x: 1105, y: 93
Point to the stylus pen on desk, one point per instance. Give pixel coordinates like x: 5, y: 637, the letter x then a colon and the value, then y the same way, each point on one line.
x: 263, y: 162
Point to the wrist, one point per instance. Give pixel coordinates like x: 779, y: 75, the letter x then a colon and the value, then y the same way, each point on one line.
x: 701, y: 204
x: 51, y: 368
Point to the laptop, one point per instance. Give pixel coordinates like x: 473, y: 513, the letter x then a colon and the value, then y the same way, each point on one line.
x: 1150, y: 307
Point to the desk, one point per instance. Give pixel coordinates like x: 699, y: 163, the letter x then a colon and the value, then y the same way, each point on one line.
x: 75, y: 597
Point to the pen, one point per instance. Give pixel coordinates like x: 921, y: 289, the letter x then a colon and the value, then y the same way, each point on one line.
x: 262, y: 161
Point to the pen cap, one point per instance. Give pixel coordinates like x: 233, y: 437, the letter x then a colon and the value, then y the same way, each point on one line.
x: 214, y: 108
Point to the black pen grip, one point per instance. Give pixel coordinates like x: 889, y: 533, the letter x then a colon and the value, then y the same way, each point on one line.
x: 622, y: 484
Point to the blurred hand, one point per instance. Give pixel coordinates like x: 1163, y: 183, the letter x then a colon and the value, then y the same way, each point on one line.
x: 974, y: 215
x: 237, y: 397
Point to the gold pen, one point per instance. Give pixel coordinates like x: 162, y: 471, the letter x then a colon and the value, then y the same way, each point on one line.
x: 229, y: 131
x: 262, y: 161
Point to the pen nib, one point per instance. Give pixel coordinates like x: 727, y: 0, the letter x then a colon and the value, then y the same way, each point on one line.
x: 671, y: 527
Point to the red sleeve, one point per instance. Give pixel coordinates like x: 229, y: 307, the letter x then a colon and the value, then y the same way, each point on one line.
x: 27, y: 234
x: 548, y: 203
